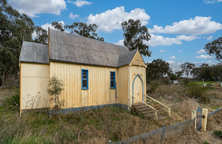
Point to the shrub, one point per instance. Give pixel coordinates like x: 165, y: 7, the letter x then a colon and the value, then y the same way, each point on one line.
x: 218, y: 133
x: 13, y: 102
x: 186, y: 81
x: 153, y: 87
x: 198, y: 92
x: 54, y: 89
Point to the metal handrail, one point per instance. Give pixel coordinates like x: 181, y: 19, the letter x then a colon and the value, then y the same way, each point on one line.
x: 145, y: 103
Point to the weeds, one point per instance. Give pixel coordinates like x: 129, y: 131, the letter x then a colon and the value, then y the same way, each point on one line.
x: 218, y: 133
x: 13, y: 103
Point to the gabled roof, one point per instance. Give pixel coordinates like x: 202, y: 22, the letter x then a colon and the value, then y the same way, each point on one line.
x: 126, y: 58
x: 67, y: 47
x: 34, y: 52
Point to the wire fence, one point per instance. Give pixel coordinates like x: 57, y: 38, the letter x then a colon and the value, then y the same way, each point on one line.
x: 155, y: 136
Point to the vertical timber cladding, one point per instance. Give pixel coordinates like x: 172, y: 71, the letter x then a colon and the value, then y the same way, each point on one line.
x: 98, y: 92
x: 134, y: 70
x: 122, y: 84
x: 34, y: 80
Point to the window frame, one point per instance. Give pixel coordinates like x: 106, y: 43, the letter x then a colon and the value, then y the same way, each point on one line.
x: 114, y: 80
x: 87, y: 78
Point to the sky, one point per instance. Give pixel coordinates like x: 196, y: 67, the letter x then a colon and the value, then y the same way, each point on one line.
x: 179, y: 29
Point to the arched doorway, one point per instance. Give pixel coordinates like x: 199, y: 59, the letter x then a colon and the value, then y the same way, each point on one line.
x: 138, y: 88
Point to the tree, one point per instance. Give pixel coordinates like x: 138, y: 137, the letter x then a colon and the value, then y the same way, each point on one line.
x: 135, y: 35
x: 85, y: 30
x: 215, y: 48
x: 14, y: 28
x: 54, y: 89
x: 156, y: 69
x: 42, y: 36
x: 58, y: 25
x: 187, y: 68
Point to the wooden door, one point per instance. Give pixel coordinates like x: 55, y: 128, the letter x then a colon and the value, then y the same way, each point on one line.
x: 138, y: 91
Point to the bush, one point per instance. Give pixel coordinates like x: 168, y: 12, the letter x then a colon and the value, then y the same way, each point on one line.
x: 198, y: 92
x: 13, y: 102
x: 218, y: 133
x: 186, y: 81
x: 154, y: 86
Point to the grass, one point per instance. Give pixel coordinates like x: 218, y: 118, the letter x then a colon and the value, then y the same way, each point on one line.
x: 207, y: 82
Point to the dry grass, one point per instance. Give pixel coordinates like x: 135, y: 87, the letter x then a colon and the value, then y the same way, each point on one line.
x: 5, y: 93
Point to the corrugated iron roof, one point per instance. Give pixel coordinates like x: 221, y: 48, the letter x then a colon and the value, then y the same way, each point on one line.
x: 34, y: 53
x: 65, y: 47
x: 77, y: 49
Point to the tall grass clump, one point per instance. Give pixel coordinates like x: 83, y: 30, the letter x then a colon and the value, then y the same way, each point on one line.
x: 13, y: 103
x: 198, y: 92
x: 154, y: 86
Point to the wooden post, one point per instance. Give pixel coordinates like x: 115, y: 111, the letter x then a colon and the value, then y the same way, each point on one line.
x: 156, y: 115
x: 169, y: 112
x: 204, y: 118
x: 194, y: 116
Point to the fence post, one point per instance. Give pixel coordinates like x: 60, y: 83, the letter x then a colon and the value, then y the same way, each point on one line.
x: 163, y: 130
x: 194, y: 116
x: 110, y: 141
x: 204, y: 118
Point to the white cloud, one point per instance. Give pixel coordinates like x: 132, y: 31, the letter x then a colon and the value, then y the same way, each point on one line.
x: 171, y: 62
x: 72, y: 16
x: 112, y: 19
x: 187, y: 38
x: 210, y: 62
x: 179, y: 63
x: 197, y: 26
x: 173, y: 57
x: 209, y: 38
x: 158, y: 40
x: 196, y: 62
x: 162, y: 50
x: 204, y: 57
x: 212, y: 1
x: 45, y: 27
x: 200, y: 51
x: 179, y: 51
x: 32, y: 7
x: 120, y: 42
x: 80, y: 3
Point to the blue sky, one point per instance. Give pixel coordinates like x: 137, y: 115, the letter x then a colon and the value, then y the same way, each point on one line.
x: 179, y: 28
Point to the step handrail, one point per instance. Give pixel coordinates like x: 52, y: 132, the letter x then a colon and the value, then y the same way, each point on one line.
x: 169, y: 109
x: 145, y: 103
x: 158, y: 102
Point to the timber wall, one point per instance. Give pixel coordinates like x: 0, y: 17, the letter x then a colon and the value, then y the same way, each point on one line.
x: 98, y: 93
x: 33, y: 82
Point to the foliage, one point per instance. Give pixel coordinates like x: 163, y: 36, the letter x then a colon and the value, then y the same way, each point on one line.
x: 13, y: 102
x: 208, y: 72
x: 85, y: 30
x: 58, y: 25
x: 198, y: 92
x: 218, y: 133
x: 187, y: 68
x: 42, y: 36
x: 153, y: 87
x: 156, y: 69
x: 215, y: 48
x: 135, y: 35
x: 186, y: 81
x: 14, y: 28
x: 54, y: 89
x: 206, y: 142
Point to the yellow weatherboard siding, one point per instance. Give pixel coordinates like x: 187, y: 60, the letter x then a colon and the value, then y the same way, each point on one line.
x: 34, y: 80
x: 122, y: 85
x: 137, y: 60
x: 98, y: 92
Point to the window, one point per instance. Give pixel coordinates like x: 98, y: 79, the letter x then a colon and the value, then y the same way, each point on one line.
x: 112, y: 80
x: 84, y: 79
